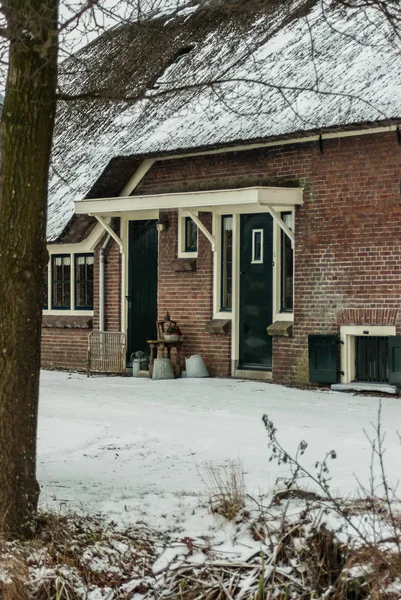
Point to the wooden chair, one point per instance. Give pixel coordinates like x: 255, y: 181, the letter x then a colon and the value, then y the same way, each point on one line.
x: 106, y: 352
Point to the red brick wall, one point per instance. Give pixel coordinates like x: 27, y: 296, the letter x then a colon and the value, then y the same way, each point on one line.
x: 188, y: 297
x: 112, y: 286
x: 348, y: 240
x: 64, y: 348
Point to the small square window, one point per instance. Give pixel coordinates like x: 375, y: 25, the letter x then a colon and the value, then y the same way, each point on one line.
x: 61, y: 282
x: 257, y: 246
x: 191, y: 235
x: 187, y: 236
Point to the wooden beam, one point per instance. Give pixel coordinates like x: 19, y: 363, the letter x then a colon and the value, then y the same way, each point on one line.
x: 202, y: 228
x: 110, y: 231
x: 281, y: 224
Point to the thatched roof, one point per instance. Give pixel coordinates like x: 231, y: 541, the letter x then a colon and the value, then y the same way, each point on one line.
x: 250, y: 71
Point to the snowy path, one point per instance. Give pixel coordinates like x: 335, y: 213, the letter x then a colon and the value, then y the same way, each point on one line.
x: 120, y: 445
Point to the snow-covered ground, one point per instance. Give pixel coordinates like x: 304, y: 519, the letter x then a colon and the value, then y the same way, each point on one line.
x: 125, y: 459
x: 134, y: 449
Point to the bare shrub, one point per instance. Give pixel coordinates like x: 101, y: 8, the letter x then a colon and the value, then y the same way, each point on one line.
x: 368, y: 565
x: 226, y: 487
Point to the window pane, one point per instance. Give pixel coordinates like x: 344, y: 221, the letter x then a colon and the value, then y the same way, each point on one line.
x: 80, y: 293
x: 257, y: 246
x: 226, y: 262
x: 66, y: 294
x: 46, y: 288
x: 84, y: 281
x: 287, y: 267
x: 61, y: 275
x: 57, y: 294
x: 89, y: 296
x: 191, y: 235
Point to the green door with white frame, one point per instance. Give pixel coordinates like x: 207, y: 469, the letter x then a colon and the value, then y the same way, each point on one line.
x: 142, y: 285
x: 256, y: 291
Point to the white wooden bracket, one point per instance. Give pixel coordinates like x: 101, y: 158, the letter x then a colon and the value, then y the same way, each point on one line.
x: 202, y: 228
x: 281, y: 223
x: 110, y: 231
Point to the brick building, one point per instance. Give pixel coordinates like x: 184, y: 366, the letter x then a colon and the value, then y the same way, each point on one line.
x: 265, y: 220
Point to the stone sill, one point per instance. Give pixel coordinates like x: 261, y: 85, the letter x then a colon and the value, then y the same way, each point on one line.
x: 280, y: 328
x: 218, y: 326
x: 183, y: 264
x: 67, y: 322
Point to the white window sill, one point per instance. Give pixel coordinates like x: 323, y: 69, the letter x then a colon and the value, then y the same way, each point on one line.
x: 283, y: 316
x: 68, y: 313
x: 223, y: 315
x: 187, y: 255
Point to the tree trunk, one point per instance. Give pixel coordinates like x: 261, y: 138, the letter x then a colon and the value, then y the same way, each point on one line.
x: 27, y: 130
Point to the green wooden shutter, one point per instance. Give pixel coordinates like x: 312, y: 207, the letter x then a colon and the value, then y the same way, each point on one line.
x: 394, y: 359
x: 323, y: 358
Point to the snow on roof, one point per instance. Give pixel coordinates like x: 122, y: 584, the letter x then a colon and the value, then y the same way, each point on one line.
x: 245, y: 76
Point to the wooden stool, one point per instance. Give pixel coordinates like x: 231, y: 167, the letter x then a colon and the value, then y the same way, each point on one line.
x: 161, y: 347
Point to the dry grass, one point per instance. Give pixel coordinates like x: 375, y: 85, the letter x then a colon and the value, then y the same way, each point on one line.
x: 73, y: 556
x: 324, y: 559
x: 297, y: 556
x: 226, y: 488
x: 14, y: 578
x: 368, y: 573
x: 57, y: 588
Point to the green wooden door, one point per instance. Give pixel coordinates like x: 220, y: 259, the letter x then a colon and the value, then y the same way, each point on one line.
x: 142, y: 285
x: 256, y: 293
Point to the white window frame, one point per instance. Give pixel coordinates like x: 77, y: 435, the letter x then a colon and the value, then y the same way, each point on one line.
x: 348, y: 333
x: 216, y: 232
x: 279, y: 315
x: 257, y: 261
x: 50, y: 282
x: 217, y: 280
x: 236, y: 212
x: 181, y: 253
x: 64, y: 311
x: 87, y: 246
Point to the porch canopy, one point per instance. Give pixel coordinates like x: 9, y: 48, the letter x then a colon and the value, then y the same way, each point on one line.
x: 269, y: 198
x: 201, y: 201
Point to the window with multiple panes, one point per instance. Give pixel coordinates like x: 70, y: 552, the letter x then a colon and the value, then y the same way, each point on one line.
x: 68, y: 278
x: 61, y: 282
x: 191, y: 235
x: 286, y: 266
x: 84, y: 281
x: 226, y: 262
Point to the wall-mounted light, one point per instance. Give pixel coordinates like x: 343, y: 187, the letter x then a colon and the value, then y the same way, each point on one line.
x: 161, y: 225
